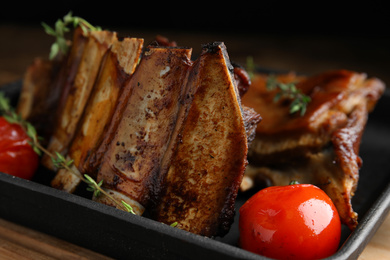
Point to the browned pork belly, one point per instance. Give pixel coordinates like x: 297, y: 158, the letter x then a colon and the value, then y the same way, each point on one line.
x: 320, y: 147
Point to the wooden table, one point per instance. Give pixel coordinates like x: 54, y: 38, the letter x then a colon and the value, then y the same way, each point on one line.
x: 301, y: 53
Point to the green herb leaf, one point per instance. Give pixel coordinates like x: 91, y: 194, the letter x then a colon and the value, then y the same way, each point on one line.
x: 57, y: 161
x: 290, y: 91
x: 69, y: 162
x: 93, y: 186
x: 60, y: 161
x: 174, y: 224
x: 36, y: 150
x: 4, y: 103
x: 61, y: 46
x: 250, y: 66
x: 31, y: 132
x: 128, y: 207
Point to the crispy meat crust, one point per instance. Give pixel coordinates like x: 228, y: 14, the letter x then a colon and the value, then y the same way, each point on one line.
x: 77, y: 94
x: 163, y: 132
x: 134, y: 147
x: 203, y: 179
x: 118, y: 64
x: 321, y: 147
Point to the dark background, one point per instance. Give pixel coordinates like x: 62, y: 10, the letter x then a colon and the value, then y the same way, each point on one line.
x: 316, y: 17
x: 307, y: 37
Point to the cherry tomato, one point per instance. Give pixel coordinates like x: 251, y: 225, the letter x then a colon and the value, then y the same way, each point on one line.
x: 16, y: 155
x: 297, y: 221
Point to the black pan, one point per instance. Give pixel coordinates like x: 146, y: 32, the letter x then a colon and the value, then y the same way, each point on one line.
x: 79, y: 220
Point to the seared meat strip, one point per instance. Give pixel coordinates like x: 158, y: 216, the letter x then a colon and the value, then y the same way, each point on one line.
x: 131, y: 155
x: 320, y: 147
x: 204, y: 175
x: 118, y: 65
x: 45, y: 87
x: 36, y: 89
x: 78, y: 93
x: 251, y: 120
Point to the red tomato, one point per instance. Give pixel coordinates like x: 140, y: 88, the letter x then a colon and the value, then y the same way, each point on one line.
x: 16, y: 155
x: 296, y: 221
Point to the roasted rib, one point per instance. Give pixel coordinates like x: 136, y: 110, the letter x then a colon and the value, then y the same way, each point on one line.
x: 37, y: 87
x: 321, y: 147
x: 131, y: 154
x: 204, y: 175
x: 140, y: 127
x: 76, y: 96
x: 46, y: 84
x: 117, y: 66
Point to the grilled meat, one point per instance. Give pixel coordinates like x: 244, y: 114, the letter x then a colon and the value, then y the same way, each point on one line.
x: 76, y: 95
x: 251, y: 120
x: 242, y: 78
x: 45, y: 87
x: 131, y: 154
x: 118, y: 64
x: 36, y: 90
x: 321, y: 147
x: 204, y: 175
x: 164, y: 133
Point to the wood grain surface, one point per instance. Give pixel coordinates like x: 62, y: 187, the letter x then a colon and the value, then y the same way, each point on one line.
x: 18, y: 242
x: 309, y: 54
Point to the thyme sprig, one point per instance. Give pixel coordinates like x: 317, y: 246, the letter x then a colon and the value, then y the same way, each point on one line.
x: 290, y: 91
x: 174, y: 224
x: 59, y: 161
x: 250, y: 66
x: 61, y: 27
x: 92, y: 185
x: 128, y: 207
x: 9, y: 114
x: 286, y: 90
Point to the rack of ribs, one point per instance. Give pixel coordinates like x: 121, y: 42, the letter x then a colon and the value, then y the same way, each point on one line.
x: 162, y: 132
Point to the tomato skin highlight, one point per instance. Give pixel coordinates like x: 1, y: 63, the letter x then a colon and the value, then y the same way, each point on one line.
x: 290, y: 222
x: 16, y: 156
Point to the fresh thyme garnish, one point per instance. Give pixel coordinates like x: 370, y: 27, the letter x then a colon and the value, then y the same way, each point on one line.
x: 59, y: 161
x: 250, y: 66
x: 174, y: 224
x: 128, y: 207
x: 92, y: 185
x: 290, y: 91
x: 9, y: 114
x: 61, y: 28
x: 286, y: 90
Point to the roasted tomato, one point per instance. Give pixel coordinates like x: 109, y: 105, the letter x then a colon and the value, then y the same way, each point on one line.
x: 16, y: 155
x: 297, y: 221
